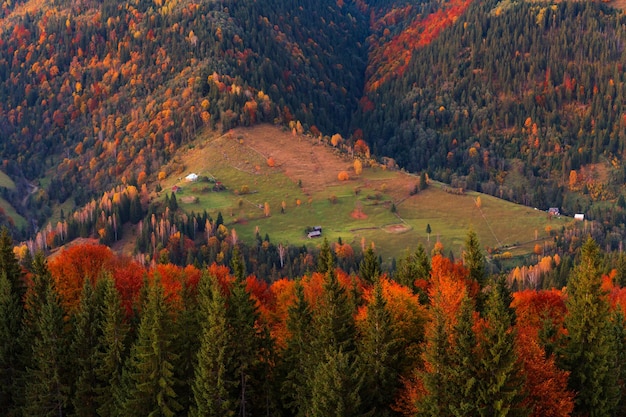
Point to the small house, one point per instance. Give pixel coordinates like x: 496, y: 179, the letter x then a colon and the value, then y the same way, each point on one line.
x: 579, y: 216
x: 176, y: 189
x: 554, y: 211
x: 314, y: 233
x: 191, y: 177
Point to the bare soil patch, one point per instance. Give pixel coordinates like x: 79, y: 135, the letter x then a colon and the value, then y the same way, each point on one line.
x: 396, y: 228
x: 358, y: 214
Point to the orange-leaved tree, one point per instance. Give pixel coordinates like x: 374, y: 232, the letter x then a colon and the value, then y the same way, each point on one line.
x: 73, y: 265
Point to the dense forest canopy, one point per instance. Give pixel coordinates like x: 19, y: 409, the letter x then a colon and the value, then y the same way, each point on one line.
x: 437, y: 337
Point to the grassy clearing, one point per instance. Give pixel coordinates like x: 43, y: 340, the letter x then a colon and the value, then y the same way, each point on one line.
x: 306, y: 171
x: 19, y: 221
x: 6, y: 182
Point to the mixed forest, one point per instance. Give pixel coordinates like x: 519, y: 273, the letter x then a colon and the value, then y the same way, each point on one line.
x: 91, y: 333
x: 515, y: 99
x: 520, y: 100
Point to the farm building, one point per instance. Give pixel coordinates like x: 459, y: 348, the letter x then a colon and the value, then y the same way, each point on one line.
x: 579, y: 216
x: 191, y: 177
x: 176, y: 189
x: 314, y: 233
x: 554, y: 211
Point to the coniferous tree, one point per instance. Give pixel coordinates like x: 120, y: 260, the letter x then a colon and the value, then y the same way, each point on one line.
x: 296, y: 357
x: 252, y: 353
x: 87, y: 330
x: 334, y: 387
x: 11, y: 312
x: 451, y: 374
x: 46, y: 377
x: 12, y: 291
x: 325, y: 257
x: 378, y: 351
x: 187, y: 343
x: 412, y: 267
x: 590, y: 353
x: 500, y: 384
x: 10, y: 265
x: 333, y: 352
x: 473, y: 259
x: 369, y: 268
x: 213, y: 383
x: 112, y: 351
x: 149, y: 373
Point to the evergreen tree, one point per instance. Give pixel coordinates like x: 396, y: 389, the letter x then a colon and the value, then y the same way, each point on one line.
x: 436, y: 377
x: 334, y: 388
x: 46, y: 377
x: 238, y: 265
x: 369, y: 269
x: 378, y: 351
x: 412, y: 267
x: 333, y: 375
x: 187, y: 343
x: 294, y: 366
x: 473, y: 259
x: 10, y: 265
x: 500, y: 383
x: 111, y: 351
x: 590, y: 353
x: 11, y: 368
x: 451, y: 375
x: 325, y: 258
x: 87, y: 331
x: 214, y: 383
x: 252, y: 353
x: 334, y: 320
x: 149, y: 373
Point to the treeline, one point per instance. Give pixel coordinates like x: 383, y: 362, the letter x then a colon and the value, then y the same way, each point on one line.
x: 89, y: 333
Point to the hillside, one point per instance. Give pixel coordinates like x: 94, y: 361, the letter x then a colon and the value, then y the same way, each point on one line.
x: 519, y: 100
x: 296, y: 176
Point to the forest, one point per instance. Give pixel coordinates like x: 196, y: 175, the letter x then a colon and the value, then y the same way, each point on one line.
x: 92, y: 333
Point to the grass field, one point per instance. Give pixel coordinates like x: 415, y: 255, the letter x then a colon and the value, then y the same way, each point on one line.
x: 10, y: 211
x: 6, y: 182
x: 306, y: 171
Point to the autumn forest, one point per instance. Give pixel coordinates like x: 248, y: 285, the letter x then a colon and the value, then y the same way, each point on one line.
x: 116, y: 301
x: 90, y: 333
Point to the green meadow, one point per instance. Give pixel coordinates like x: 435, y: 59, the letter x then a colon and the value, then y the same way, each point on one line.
x: 374, y: 207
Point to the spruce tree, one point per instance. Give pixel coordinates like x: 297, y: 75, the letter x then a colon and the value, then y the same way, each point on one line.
x: 149, y: 373
x: 252, y: 352
x: 186, y: 344
x: 333, y: 353
x: 500, y: 383
x: 378, y: 351
x: 46, y: 377
x: 452, y: 369
x: 473, y: 259
x: 10, y: 265
x: 325, y: 258
x: 296, y: 357
x: 369, y: 268
x: 11, y: 368
x: 83, y: 350
x: 590, y: 353
x: 334, y: 388
x: 214, y: 385
x: 14, y: 346
x: 111, y: 351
